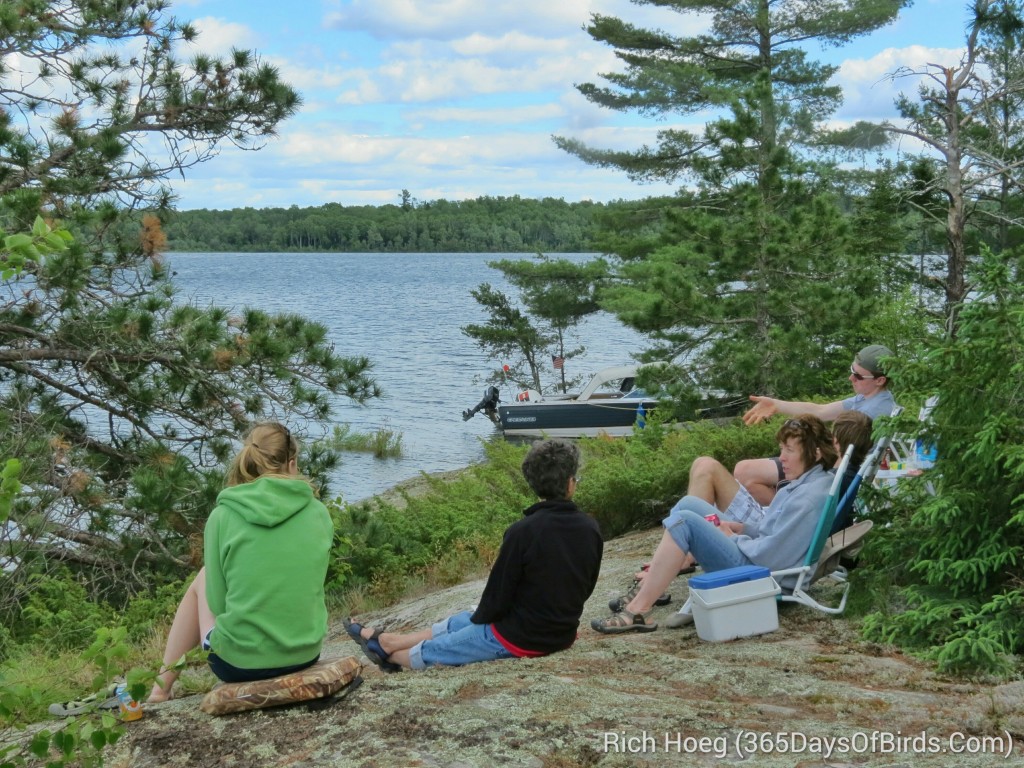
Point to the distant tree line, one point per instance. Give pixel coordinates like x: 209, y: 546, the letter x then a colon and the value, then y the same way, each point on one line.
x: 483, y: 225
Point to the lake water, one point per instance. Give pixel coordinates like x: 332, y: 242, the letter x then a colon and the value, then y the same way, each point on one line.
x: 405, y: 312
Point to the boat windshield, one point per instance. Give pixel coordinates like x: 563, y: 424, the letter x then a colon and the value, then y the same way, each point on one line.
x: 636, y: 393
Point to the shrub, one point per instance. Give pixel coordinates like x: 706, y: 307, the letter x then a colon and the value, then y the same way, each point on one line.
x: 631, y: 484
x: 955, y: 559
x: 385, y: 542
x: 58, y: 613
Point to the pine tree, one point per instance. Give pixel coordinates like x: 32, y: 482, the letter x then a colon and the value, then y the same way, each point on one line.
x: 120, y: 398
x: 751, y: 273
x: 555, y: 294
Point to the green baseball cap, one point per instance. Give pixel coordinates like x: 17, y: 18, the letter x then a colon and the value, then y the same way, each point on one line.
x: 871, y: 358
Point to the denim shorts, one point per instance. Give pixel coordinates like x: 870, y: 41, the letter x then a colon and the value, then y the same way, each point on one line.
x: 692, y: 533
x: 457, y: 641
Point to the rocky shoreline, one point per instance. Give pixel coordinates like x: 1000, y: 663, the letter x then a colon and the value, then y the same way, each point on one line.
x: 811, y: 694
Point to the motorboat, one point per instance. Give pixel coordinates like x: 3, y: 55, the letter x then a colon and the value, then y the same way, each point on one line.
x: 609, y: 404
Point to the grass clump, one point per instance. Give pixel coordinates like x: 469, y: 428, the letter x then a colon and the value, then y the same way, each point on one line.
x: 383, y: 442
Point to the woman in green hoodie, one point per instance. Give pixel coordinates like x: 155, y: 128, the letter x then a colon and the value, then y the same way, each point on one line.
x: 258, y: 602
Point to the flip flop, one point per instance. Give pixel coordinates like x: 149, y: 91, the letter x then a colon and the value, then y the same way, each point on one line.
x: 371, y: 647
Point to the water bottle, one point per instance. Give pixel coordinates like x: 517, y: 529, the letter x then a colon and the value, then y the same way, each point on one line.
x: 130, y: 709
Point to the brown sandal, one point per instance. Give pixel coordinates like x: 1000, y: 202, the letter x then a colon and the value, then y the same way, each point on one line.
x: 616, y: 604
x: 624, y: 621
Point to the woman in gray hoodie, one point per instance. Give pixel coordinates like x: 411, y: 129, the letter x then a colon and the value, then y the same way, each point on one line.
x: 778, y: 540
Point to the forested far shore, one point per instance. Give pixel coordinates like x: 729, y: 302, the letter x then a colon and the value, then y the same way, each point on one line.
x: 484, y: 225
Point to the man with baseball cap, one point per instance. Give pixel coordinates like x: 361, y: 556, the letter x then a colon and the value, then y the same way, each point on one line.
x: 871, y: 396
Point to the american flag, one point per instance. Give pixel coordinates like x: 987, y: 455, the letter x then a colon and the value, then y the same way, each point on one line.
x: 558, y: 362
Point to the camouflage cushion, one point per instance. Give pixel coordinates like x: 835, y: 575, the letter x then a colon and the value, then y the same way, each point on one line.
x: 325, y: 678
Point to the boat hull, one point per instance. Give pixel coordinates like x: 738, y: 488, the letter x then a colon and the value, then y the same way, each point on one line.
x: 614, y: 418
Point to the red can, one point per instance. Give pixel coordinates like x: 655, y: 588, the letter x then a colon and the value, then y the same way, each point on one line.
x: 713, y: 519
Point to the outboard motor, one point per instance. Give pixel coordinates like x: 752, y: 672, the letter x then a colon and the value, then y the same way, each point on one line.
x: 489, y: 405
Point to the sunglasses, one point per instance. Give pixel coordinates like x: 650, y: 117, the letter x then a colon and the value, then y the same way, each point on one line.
x: 794, y: 424
x: 860, y: 376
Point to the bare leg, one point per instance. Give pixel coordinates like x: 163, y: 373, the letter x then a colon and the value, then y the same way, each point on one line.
x: 668, y: 560
x: 396, y: 645
x: 760, y: 477
x: 192, y: 621
x: 398, y: 641
x: 711, y: 481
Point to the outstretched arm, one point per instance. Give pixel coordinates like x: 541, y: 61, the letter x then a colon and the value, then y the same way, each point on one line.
x: 766, y: 407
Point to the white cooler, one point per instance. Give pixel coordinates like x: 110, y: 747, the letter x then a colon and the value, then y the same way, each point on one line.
x: 736, y: 602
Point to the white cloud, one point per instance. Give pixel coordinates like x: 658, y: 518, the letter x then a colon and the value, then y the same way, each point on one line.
x: 510, y: 44
x: 870, y: 86
x: 307, y: 78
x: 454, y: 19
x: 218, y: 37
x: 427, y: 72
x: 488, y: 115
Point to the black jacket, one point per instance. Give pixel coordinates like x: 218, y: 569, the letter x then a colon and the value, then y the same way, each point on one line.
x: 546, y: 569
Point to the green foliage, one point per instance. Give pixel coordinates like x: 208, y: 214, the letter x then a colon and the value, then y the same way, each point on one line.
x: 955, y: 559
x: 511, y: 335
x: 57, y: 612
x: 81, y: 739
x: 150, y: 610
x: 122, y: 406
x: 385, y: 542
x: 769, y: 310
x: 901, y: 323
x: 558, y: 294
x: 9, y: 486
x: 21, y: 249
x: 339, y: 569
x: 480, y: 225
x: 750, y: 61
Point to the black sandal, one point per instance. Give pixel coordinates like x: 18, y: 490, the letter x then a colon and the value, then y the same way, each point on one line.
x: 371, y: 647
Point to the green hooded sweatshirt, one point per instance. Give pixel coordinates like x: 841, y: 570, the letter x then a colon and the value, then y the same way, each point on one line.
x: 266, y: 550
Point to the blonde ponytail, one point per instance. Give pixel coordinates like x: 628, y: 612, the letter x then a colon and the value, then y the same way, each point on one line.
x: 268, y: 449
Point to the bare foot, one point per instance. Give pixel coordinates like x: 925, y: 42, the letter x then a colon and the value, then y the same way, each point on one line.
x: 160, y: 694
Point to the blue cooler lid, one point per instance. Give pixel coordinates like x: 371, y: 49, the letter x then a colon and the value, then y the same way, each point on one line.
x: 729, y: 576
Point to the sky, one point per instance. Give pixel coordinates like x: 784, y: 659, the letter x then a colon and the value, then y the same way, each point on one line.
x: 457, y: 99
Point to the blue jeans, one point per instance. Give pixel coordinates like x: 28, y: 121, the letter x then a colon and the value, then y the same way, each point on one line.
x: 457, y: 641
x: 692, y: 533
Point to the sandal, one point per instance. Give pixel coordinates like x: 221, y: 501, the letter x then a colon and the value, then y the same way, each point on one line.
x: 105, y: 699
x: 371, y: 647
x: 624, y: 621
x: 618, y: 603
